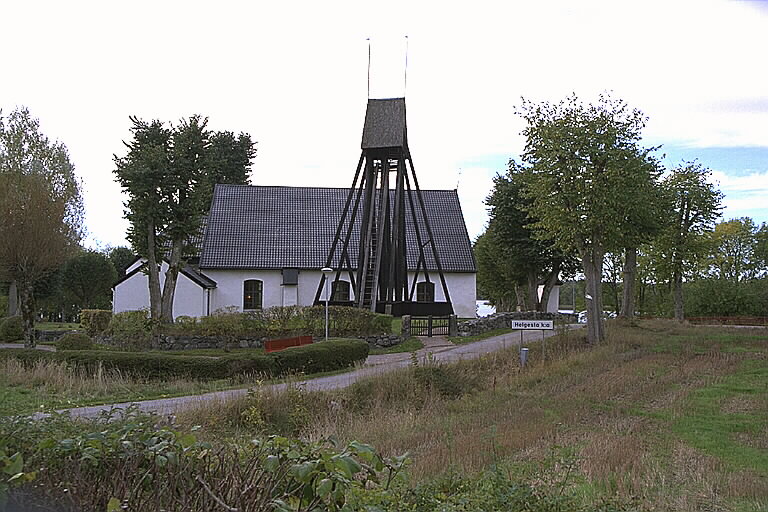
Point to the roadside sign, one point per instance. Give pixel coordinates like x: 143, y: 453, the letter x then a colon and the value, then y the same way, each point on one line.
x: 546, y: 325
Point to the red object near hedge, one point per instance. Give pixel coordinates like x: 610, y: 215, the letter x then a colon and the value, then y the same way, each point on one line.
x: 275, y: 345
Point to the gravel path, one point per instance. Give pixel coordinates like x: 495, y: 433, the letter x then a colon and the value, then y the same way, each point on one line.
x: 439, y: 349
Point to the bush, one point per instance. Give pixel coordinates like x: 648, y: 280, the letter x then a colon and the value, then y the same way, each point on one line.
x: 131, y: 329
x: 319, y: 357
x: 127, y: 460
x: 283, y: 322
x: 95, y: 321
x: 11, y: 329
x: 75, y: 341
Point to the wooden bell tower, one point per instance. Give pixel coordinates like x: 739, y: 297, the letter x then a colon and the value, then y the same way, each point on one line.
x: 385, y: 215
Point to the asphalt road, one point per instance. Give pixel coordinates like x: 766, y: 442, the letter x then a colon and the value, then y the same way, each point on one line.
x: 439, y: 349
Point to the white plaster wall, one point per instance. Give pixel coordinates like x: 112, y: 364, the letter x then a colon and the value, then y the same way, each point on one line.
x: 133, y: 294
x: 461, y: 287
x: 229, y: 287
x: 309, y: 281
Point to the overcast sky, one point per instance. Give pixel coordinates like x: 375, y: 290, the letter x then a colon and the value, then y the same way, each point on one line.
x: 293, y: 75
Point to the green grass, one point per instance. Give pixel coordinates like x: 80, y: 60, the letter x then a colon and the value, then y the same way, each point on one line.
x: 705, y: 425
x: 410, y: 345
x: 397, y: 325
x: 460, y: 340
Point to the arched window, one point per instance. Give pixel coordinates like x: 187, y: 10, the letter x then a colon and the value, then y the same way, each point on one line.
x: 252, y: 294
x: 425, y: 292
x: 340, y: 291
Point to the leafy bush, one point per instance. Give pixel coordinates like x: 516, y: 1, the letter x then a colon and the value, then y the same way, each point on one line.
x: 126, y: 461
x: 283, y: 322
x: 11, y: 329
x: 318, y: 357
x: 131, y: 329
x: 95, y: 321
x: 75, y: 341
x: 321, y: 357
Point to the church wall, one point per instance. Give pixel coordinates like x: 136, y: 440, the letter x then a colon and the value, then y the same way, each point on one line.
x: 133, y: 294
x: 461, y: 287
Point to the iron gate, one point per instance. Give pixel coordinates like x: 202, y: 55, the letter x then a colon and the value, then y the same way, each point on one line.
x: 430, y: 325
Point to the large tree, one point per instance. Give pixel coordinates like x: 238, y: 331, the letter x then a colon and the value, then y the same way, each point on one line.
x: 528, y: 259
x: 86, y: 280
x: 682, y: 245
x: 733, y: 256
x: 169, y: 174
x: 34, y: 237
x: 42, y: 208
x: 585, y: 164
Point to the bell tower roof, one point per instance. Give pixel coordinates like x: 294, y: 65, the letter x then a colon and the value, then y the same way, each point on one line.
x: 384, y: 124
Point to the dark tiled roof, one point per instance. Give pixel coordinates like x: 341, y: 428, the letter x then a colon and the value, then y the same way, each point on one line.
x: 277, y: 227
x: 384, y: 124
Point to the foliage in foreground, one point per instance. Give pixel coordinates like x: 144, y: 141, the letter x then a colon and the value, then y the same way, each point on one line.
x: 130, y: 462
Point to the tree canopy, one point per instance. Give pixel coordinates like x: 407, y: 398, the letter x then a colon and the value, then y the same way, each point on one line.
x: 169, y: 173
x: 41, y: 208
x: 586, y: 174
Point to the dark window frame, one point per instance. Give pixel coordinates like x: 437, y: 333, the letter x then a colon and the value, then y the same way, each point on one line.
x: 341, y: 287
x: 253, y: 294
x: 425, y: 291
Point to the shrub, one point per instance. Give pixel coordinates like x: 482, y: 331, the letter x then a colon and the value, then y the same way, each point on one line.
x: 319, y: 357
x: 131, y: 329
x: 75, y: 341
x: 11, y: 329
x: 283, y: 322
x: 127, y: 460
x: 95, y: 321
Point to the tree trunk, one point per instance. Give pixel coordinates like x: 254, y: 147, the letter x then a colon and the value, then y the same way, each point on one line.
x: 520, y: 296
x: 677, y: 290
x: 592, y: 261
x: 27, y: 307
x: 153, y: 274
x: 630, y: 273
x: 533, y: 291
x: 549, y: 284
x: 171, y: 276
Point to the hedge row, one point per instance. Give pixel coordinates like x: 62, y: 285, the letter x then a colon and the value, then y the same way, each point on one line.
x: 280, y: 322
x: 318, y: 357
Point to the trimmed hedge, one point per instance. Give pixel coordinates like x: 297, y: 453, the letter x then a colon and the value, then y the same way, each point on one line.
x: 75, y: 341
x: 318, y: 357
x: 11, y: 329
x: 95, y: 321
x: 283, y: 322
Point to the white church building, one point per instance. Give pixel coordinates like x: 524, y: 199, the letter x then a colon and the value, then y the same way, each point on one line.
x: 264, y: 246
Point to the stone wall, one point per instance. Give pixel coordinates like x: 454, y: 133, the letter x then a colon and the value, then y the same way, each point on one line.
x: 383, y: 340
x: 502, y: 321
x: 188, y: 342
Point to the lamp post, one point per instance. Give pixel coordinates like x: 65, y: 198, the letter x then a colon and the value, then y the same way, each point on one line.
x: 327, y: 273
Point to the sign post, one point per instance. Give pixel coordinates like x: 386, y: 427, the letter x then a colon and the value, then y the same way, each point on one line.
x: 532, y: 325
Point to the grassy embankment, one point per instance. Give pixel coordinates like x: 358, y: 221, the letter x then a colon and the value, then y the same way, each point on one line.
x: 664, y: 416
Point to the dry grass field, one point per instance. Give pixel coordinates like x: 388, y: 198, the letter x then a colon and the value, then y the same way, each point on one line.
x: 662, y: 416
